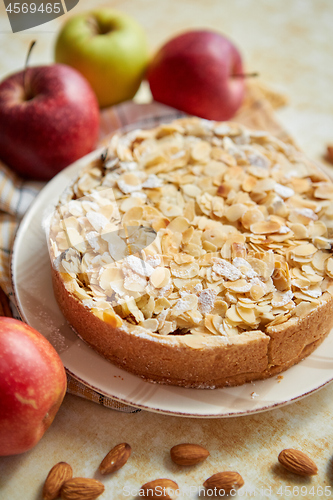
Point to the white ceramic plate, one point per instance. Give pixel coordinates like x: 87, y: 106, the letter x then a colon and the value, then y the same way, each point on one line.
x: 36, y: 302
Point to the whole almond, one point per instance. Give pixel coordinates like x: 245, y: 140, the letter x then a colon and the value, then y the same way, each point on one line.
x: 297, y: 462
x: 81, y: 488
x: 188, y: 454
x: 160, y: 488
x: 115, y: 459
x: 59, y: 473
x: 226, y: 481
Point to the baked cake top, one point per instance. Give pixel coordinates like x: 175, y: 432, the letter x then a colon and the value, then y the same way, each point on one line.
x: 197, y: 227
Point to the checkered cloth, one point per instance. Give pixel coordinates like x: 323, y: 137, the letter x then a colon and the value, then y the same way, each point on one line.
x: 16, y: 196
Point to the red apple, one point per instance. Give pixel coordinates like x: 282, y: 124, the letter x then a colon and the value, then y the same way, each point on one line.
x: 49, y: 117
x: 32, y: 386
x: 199, y: 72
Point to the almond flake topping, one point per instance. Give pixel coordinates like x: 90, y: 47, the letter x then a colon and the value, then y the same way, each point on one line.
x: 198, y: 228
x: 227, y: 270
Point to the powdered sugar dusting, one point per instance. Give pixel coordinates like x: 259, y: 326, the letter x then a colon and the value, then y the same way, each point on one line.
x: 246, y: 268
x: 152, y: 182
x: 206, y: 300
x: 283, y: 191
x: 282, y: 299
x: 227, y: 270
x: 139, y: 266
x: 97, y: 220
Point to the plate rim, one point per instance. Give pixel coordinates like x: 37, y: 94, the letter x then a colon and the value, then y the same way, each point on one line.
x: 199, y: 415
x: 74, y: 169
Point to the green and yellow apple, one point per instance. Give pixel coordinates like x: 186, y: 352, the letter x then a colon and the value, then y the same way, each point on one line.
x: 109, y: 48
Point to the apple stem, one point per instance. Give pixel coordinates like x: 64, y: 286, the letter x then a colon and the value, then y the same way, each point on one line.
x: 97, y: 27
x: 25, y: 87
x: 245, y: 75
x: 104, y: 155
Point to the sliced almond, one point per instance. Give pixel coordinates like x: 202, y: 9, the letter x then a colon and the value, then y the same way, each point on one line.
x: 200, y: 151
x: 303, y: 309
x: 249, y: 183
x: 322, y: 243
x: 239, y: 286
x: 235, y: 212
x: 150, y: 324
x: 329, y: 267
x: 325, y: 191
x: 251, y: 217
x: 265, y: 227
x: 160, y: 277
x: 185, y: 270
x: 247, y: 315
x: 304, y: 250
x: 233, y: 315
x: 179, y: 224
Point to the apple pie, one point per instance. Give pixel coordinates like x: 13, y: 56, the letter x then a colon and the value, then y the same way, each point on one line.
x: 197, y: 254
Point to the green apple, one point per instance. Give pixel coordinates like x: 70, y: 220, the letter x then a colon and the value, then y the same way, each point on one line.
x: 109, y: 48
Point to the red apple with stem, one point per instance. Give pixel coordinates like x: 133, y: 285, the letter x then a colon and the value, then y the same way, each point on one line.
x: 32, y: 386
x: 49, y: 117
x: 200, y: 73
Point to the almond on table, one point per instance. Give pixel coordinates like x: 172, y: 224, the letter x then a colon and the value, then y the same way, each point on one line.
x: 59, y: 473
x: 297, y: 462
x: 226, y: 481
x: 81, y: 488
x: 188, y: 454
x: 163, y: 488
x: 115, y: 459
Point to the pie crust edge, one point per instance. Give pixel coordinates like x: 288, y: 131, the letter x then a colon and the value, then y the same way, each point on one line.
x: 209, y: 362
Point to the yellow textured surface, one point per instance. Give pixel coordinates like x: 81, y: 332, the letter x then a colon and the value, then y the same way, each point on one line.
x: 289, y: 42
